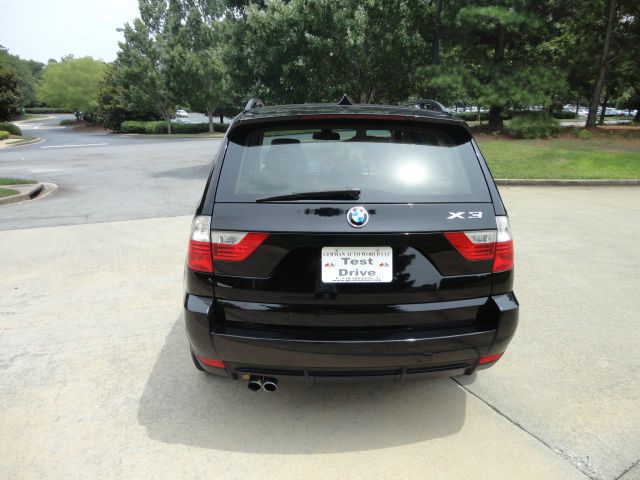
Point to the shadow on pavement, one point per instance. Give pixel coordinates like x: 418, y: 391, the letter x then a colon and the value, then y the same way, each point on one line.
x: 182, y: 405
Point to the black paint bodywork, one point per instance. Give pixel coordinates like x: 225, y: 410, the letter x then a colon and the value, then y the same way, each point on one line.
x: 272, y: 315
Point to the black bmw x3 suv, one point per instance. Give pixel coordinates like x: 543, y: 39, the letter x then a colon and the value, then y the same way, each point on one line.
x: 348, y: 243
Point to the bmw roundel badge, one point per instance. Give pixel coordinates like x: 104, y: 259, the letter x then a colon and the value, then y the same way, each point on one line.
x: 357, y: 216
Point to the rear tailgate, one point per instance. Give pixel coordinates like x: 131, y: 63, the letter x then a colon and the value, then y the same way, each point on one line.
x: 417, y: 184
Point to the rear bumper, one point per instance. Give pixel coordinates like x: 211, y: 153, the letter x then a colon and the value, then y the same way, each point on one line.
x: 333, y: 356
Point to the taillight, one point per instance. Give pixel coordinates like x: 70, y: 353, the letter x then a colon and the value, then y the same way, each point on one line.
x: 504, y: 246
x: 235, y: 246
x: 496, y: 245
x: 205, y: 245
x: 474, y: 245
x: 199, y: 257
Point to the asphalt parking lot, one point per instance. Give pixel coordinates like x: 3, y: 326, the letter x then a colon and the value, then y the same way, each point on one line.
x: 97, y: 381
x: 105, y: 177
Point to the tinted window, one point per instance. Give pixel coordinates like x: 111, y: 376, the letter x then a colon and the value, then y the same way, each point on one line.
x: 387, y: 163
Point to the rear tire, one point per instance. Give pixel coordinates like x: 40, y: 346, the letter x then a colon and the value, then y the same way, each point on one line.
x: 196, y: 362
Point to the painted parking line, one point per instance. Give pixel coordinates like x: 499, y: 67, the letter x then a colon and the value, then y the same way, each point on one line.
x: 78, y: 145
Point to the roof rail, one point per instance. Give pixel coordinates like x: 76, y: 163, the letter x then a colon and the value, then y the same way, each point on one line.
x: 427, y: 104
x: 253, y: 103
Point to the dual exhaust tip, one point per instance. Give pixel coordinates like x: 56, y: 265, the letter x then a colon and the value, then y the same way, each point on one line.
x: 262, y: 383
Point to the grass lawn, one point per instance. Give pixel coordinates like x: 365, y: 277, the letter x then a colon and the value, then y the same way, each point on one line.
x: 14, y: 181
x: 7, y: 192
x: 607, y: 154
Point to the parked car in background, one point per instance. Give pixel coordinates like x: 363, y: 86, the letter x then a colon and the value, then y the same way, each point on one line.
x: 182, y: 114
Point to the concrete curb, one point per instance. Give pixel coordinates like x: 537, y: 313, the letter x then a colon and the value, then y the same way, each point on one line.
x: 26, y: 192
x: 557, y: 182
x: 22, y: 144
x: 20, y: 122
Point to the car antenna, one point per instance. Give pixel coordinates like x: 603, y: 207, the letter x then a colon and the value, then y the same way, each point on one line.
x: 345, y: 100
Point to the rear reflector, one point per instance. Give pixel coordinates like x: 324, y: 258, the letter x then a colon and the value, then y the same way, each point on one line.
x: 496, y: 245
x: 235, y: 246
x: 212, y: 362
x: 489, y: 358
x: 199, y: 256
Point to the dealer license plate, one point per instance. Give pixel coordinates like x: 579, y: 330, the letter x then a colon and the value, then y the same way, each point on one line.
x: 357, y: 264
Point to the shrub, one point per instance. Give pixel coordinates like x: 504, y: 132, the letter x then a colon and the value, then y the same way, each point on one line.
x: 4, y: 134
x: 564, y: 115
x: 533, y: 125
x: 189, y: 127
x: 68, y: 121
x: 583, y: 134
x: 89, y: 117
x: 160, y: 127
x: 157, y: 127
x: 47, y: 110
x: 11, y: 128
x: 484, y: 116
x: 132, y: 126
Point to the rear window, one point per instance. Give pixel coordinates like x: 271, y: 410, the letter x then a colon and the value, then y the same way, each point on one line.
x: 388, y: 163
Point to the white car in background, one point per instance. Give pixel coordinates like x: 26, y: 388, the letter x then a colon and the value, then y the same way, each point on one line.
x: 182, y: 116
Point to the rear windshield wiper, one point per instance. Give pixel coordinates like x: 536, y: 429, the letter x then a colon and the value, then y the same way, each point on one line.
x: 345, y: 194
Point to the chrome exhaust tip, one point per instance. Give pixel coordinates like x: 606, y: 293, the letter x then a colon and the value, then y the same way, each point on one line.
x: 255, y: 384
x: 270, y: 384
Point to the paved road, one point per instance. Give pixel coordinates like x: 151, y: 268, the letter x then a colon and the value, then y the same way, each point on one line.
x: 97, y: 382
x: 104, y: 177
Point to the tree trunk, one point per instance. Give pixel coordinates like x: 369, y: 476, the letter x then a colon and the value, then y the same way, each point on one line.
x: 577, y: 106
x: 77, y: 114
x: 636, y: 118
x: 167, y: 118
x: 435, y: 48
x: 495, y: 117
x: 221, y: 118
x: 604, y: 66
x: 605, y: 102
x: 495, y: 111
x: 210, y: 115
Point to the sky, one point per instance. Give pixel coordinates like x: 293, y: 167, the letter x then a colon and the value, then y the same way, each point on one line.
x: 44, y: 29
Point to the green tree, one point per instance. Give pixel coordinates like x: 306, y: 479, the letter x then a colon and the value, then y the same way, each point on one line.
x: 620, y: 34
x: 598, y: 48
x: 28, y: 72
x: 72, y: 84
x: 145, y: 63
x: 9, y: 92
x: 301, y: 51
x: 496, y: 54
x: 112, y: 108
x: 195, y: 56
